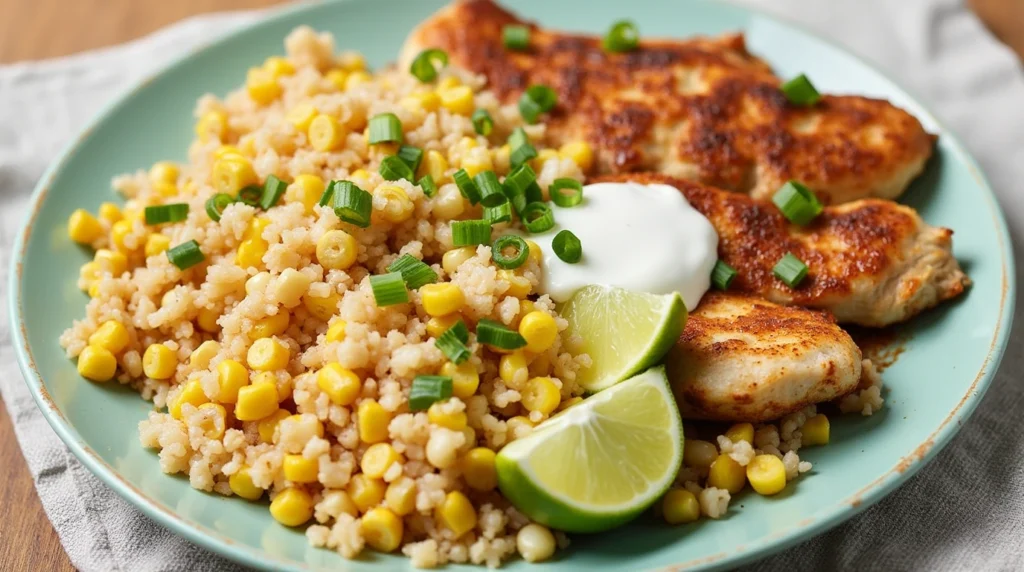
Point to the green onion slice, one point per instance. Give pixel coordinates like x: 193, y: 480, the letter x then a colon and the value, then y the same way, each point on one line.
x: 427, y: 390
x: 483, y: 124
x: 426, y: 64
x: 389, y: 289
x: 516, y: 38
x: 216, y: 204
x: 414, y: 271
x: 515, y: 186
x: 471, y: 232
x: 495, y: 334
x: 273, y: 188
x: 509, y: 242
x: 251, y: 195
x: 537, y: 217
x: 175, y: 212
x: 800, y: 91
x: 452, y: 343
x: 797, y: 203
x: 352, y: 204
x: 411, y: 155
x: 790, y: 270
x: 500, y: 212
x: 393, y: 168
x: 488, y: 185
x: 534, y: 194
x: 385, y: 128
x: 325, y: 199
x: 722, y: 275
x: 517, y: 138
x: 567, y: 247
x: 520, y: 155
x: 185, y: 255
x: 428, y: 185
x: 535, y: 100
x: 622, y: 37
x: 466, y: 186
x: 566, y: 192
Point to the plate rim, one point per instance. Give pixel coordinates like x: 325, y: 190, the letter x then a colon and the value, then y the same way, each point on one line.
x: 826, y: 518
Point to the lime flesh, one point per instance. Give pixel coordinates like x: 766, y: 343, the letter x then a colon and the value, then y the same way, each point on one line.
x: 623, y: 332
x: 600, y: 463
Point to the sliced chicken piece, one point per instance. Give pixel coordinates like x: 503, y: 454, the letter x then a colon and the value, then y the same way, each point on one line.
x: 870, y: 262
x: 741, y: 358
x: 702, y: 108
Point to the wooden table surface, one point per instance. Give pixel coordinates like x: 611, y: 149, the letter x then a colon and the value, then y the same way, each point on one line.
x: 37, y: 29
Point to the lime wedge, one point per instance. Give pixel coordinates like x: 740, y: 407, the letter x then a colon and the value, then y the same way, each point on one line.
x: 624, y: 332
x: 599, y: 463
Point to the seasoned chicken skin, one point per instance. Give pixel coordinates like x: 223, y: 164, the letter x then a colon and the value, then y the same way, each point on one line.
x: 870, y: 262
x: 741, y: 358
x: 703, y: 109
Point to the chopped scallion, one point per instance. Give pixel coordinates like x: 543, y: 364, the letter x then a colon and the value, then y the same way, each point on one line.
x: 175, y: 212
x: 185, y: 255
x: 722, y: 275
x: 389, y: 289
x: 471, y: 232
x: 325, y: 199
x: 534, y: 194
x: 216, y: 204
x: 521, y: 154
x: 393, y: 168
x: 251, y: 195
x: 790, y: 270
x: 499, y: 212
x: 516, y: 244
x: 800, y: 91
x: 427, y: 390
x: 537, y: 217
x: 515, y: 186
x: 273, y: 188
x: 622, y: 37
x: 495, y: 334
x: 411, y: 155
x: 414, y: 271
x: 797, y: 203
x: 535, y: 100
x: 516, y: 38
x: 428, y: 185
x: 352, y: 204
x: 385, y: 128
x: 566, y: 192
x: 426, y: 64
x: 567, y: 247
x: 488, y: 185
x: 466, y: 186
x: 483, y: 124
x: 518, y: 137
x: 452, y: 343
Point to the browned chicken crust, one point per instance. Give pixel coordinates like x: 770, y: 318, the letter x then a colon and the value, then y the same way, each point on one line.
x: 741, y: 358
x: 870, y: 262
x: 703, y: 109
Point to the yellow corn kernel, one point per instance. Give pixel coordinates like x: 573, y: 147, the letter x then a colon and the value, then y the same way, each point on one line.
x: 441, y: 299
x: 292, y: 507
x: 305, y: 189
x: 299, y: 469
x: 201, y: 356
x: 110, y: 212
x: 241, y: 484
x: 157, y: 243
x: 337, y: 250
x: 164, y: 172
x: 213, y: 424
x: 340, y: 384
x: 284, y: 388
x: 448, y: 82
x: 454, y: 421
x: 448, y: 203
x: 256, y: 401
x: 225, y: 151
x: 579, y: 152
x: 373, y: 421
x: 360, y: 176
x: 518, y: 286
x: 465, y: 379
x: 679, y: 506
x: 96, y: 363
x: 436, y: 166
x: 165, y: 189
x: 397, y: 206
x: 518, y: 422
x: 456, y: 513
x: 254, y: 230
x: 325, y: 133
x: 94, y: 290
x: 382, y: 529
x: 111, y: 336
x: 727, y: 474
x: 337, y: 77
x: 250, y: 252
x: 377, y: 459
x: 365, y: 492
x: 426, y: 101
x: 541, y: 394
x: 535, y: 542
x: 278, y: 66
x: 118, y: 231
x: 357, y: 78
x: 478, y: 469
x: 267, y: 354
x: 767, y: 474
x: 268, y: 425
x: 207, y: 319
x: 815, y: 430
x: 476, y: 163
x: 741, y: 432
x: 262, y: 86
x: 84, y: 228
x: 543, y: 156
x: 212, y: 124
x: 455, y: 257
x: 439, y: 325
x: 191, y: 392
x: 535, y: 254
x: 512, y: 368
x: 457, y: 99
x: 232, y: 173
x: 89, y: 272
x: 322, y: 308
x: 269, y: 326
x: 336, y: 332
x: 159, y: 362
x: 539, y: 330
x: 697, y: 453
x: 401, y: 496
x: 525, y: 307
x: 351, y: 61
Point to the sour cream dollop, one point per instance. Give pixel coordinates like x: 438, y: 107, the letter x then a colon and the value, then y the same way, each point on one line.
x: 645, y: 238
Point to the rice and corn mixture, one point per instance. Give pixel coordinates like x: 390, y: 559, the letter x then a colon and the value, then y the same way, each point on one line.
x: 274, y: 372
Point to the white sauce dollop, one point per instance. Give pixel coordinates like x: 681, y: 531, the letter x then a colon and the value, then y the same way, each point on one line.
x: 645, y: 238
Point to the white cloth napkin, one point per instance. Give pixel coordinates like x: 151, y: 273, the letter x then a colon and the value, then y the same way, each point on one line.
x: 965, y: 511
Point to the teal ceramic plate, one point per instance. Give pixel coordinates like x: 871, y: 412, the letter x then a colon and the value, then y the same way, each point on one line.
x: 949, y: 359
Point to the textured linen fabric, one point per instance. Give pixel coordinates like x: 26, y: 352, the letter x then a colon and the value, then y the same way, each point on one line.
x: 965, y: 511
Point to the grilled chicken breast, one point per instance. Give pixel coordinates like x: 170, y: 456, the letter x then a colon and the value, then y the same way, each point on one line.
x: 870, y: 262
x: 703, y: 109
x: 741, y: 358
